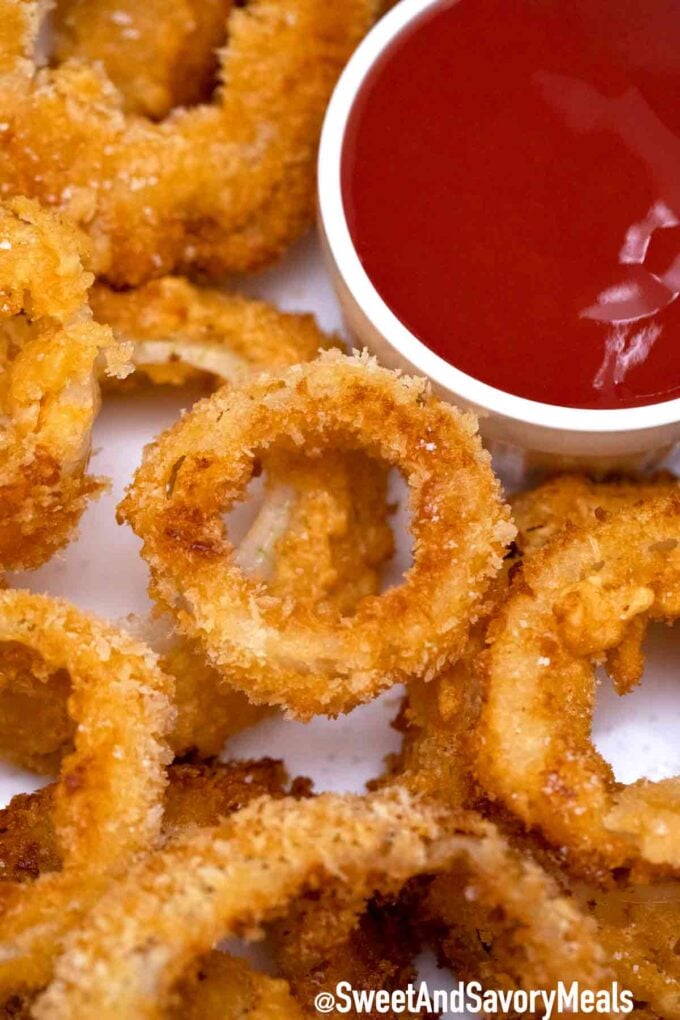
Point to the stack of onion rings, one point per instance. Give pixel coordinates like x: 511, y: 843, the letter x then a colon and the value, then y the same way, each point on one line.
x: 229, y: 879
x: 196, y: 796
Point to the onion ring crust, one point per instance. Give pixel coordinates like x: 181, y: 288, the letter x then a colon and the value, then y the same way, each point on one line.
x: 221, y: 187
x: 280, y: 653
x: 154, y: 71
x: 107, y: 806
x: 230, y: 879
x: 49, y: 395
x: 178, y: 333
x: 574, y: 601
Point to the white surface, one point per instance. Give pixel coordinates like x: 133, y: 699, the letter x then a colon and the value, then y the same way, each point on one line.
x: 102, y: 571
x: 535, y: 426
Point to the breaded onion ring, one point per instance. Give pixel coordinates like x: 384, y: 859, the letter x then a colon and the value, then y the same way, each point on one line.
x: 48, y: 388
x: 497, y: 895
x: 220, y: 187
x: 196, y: 796
x: 638, y: 925
x: 575, y: 600
x: 137, y: 943
x: 177, y: 332
x: 159, y: 54
x: 279, y: 652
x: 37, y: 731
x: 541, y: 513
x: 107, y: 806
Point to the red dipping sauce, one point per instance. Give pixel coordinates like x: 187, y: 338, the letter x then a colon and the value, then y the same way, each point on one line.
x: 511, y: 181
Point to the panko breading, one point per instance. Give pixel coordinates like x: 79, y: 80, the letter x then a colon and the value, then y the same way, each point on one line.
x: 572, y: 602
x: 217, y: 188
x: 229, y: 879
x: 107, y: 804
x: 196, y: 795
x: 273, y: 648
x: 49, y: 349
x: 177, y: 333
x: 159, y: 55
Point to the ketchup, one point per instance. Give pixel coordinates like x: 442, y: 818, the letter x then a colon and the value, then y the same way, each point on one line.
x: 511, y: 181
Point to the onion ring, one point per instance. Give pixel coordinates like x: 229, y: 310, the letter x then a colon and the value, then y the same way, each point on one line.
x: 196, y: 796
x: 321, y: 535
x: 178, y: 333
x: 274, y: 650
x: 217, y: 188
x: 49, y: 396
x: 228, y: 879
x: 573, y: 499
x: 638, y: 924
x: 107, y: 804
x: 573, y: 601
x: 541, y: 513
x: 498, y: 895
x: 153, y: 70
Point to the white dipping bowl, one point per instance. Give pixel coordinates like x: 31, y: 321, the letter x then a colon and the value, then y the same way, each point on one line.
x: 526, y: 434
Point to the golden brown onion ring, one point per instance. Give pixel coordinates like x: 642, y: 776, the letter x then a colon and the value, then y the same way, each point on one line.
x: 498, y: 896
x: 150, y: 927
x: 274, y: 649
x: 196, y: 796
x: 574, y: 601
x: 216, y: 188
x: 320, y: 537
x: 107, y: 806
x: 438, y: 721
x: 638, y: 925
x: 49, y: 396
x: 178, y: 333
x: 541, y: 513
x: 159, y: 54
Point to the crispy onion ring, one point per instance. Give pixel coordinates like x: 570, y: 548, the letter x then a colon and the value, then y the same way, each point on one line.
x: 498, y: 894
x: 438, y: 722
x: 178, y: 333
x: 216, y: 188
x: 541, y: 513
x: 574, y: 601
x: 37, y: 730
x: 226, y: 880
x: 48, y: 388
x: 153, y: 70
x: 196, y: 796
x: 276, y: 651
x: 107, y: 807
x: 636, y: 923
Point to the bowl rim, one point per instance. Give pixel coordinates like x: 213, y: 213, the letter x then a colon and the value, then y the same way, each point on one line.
x: 472, y: 391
